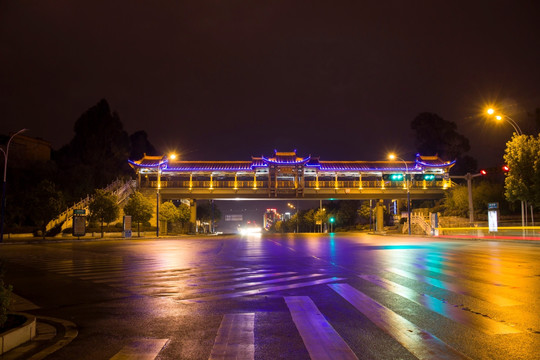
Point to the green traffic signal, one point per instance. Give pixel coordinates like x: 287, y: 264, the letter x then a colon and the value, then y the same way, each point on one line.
x: 332, y: 219
x: 396, y: 177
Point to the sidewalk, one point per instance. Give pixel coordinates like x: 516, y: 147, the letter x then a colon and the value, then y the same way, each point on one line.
x: 51, y: 334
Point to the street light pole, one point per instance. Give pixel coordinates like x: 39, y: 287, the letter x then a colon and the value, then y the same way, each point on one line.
x: 157, y: 200
x: 516, y: 127
x: 6, y: 154
x: 392, y: 157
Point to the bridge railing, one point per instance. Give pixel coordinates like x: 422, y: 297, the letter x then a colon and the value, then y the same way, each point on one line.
x: 285, y: 184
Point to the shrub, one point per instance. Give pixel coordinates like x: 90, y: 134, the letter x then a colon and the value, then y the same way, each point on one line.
x: 5, y: 298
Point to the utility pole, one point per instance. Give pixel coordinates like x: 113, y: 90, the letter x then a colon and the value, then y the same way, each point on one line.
x: 469, y: 177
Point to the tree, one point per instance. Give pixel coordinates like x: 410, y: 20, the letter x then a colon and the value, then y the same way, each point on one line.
x: 184, y: 214
x: 348, y: 212
x: 98, y: 152
x: 140, y: 208
x: 140, y: 145
x: 365, y: 213
x: 522, y: 182
x: 104, y: 208
x: 309, y: 218
x: 46, y: 204
x: 321, y: 216
x: 456, y: 202
x: 434, y: 135
x: 169, y: 213
x: 208, y: 211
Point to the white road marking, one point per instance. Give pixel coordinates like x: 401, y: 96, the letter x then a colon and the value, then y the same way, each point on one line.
x: 262, y: 290
x: 420, y: 343
x: 142, y: 349
x: 446, y: 285
x: 478, y: 322
x: 321, y: 340
x: 235, y: 338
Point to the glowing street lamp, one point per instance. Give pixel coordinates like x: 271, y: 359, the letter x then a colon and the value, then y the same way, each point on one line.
x: 394, y: 157
x: 6, y: 154
x: 500, y: 117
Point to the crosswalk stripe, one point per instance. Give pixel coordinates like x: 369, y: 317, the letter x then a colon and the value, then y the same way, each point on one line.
x: 480, y: 323
x: 257, y: 283
x: 320, y: 338
x: 420, y: 343
x: 172, y: 274
x: 202, y: 279
x: 235, y: 338
x: 142, y: 349
x: 445, y: 285
x: 259, y: 291
x: 253, y: 275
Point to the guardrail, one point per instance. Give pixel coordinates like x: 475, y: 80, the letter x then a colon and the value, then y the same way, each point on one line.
x: 475, y: 231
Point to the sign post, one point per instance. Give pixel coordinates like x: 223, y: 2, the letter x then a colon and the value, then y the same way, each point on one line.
x: 493, y: 215
x: 127, y: 226
x: 79, y: 222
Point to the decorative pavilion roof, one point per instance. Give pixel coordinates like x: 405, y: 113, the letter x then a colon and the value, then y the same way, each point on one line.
x: 290, y: 159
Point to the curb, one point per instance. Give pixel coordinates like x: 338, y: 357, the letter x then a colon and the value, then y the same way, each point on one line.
x: 52, y: 335
x: 68, y: 332
x: 20, y: 335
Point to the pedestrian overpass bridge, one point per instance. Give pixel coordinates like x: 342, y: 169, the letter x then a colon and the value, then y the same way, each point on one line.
x: 285, y: 175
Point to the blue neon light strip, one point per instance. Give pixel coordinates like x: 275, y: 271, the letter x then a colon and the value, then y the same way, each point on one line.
x: 140, y: 165
x: 435, y: 165
x: 322, y: 167
x: 286, y: 162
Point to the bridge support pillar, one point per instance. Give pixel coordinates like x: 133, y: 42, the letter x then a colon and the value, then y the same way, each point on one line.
x: 193, y: 215
x: 379, y: 216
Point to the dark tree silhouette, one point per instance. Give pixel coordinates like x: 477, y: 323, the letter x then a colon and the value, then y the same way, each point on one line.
x: 434, y: 135
x: 140, y: 145
x: 98, y: 152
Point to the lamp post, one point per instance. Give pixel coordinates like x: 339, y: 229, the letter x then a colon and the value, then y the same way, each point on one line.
x: 508, y: 119
x: 157, y: 200
x: 6, y: 154
x: 516, y: 127
x: 393, y: 157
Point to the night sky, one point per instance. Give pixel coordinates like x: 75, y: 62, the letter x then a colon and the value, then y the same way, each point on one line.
x: 225, y: 80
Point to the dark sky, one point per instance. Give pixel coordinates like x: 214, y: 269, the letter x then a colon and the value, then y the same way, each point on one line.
x: 231, y: 79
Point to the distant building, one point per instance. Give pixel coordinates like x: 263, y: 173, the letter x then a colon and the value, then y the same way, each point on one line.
x: 26, y: 150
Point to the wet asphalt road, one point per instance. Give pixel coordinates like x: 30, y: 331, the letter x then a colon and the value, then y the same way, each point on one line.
x: 286, y: 297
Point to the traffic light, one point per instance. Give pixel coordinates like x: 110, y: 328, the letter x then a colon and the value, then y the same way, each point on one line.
x: 332, y: 219
x: 393, y: 177
x: 483, y: 172
x: 427, y: 177
x: 505, y: 168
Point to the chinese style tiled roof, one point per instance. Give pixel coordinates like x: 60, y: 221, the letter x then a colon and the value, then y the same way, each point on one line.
x: 288, y: 159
